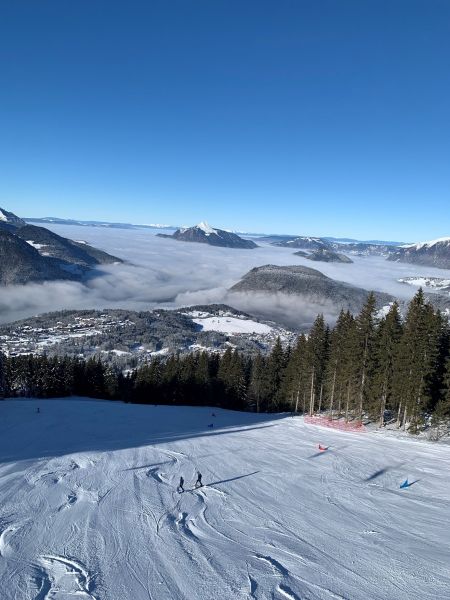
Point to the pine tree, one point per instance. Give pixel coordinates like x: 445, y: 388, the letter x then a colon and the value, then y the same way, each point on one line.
x: 2, y: 375
x: 364, y: 338
x: 440, y: 421
x: 295, y: 375
x: 340, y: 368
x: 256, y: 388
x: 316, y: 356
x: 275, y: 365
x: 417, y: 362
x: 385, y: 355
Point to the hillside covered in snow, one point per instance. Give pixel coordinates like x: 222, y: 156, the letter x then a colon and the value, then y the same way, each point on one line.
x: 89, y: 507
x: 435, y: 253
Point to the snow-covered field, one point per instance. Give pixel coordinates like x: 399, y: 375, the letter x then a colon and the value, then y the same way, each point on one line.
x: 89, y: 508
x: 232, y: 325
x: 433, y: 283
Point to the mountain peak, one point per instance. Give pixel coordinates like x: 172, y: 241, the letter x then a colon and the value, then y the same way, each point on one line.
x: 10, y: 219
x: 203, y: 233
x: 434, y: 253
x: 206, y: 228
x: 428, y: 244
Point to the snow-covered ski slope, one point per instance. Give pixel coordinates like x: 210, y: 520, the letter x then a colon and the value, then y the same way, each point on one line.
x: 89, y: 508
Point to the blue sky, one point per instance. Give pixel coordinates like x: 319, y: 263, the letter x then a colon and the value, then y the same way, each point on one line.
x: 323, y: 117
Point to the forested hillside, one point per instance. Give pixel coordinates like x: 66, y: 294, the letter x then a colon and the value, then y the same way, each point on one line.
x: 364, y: 367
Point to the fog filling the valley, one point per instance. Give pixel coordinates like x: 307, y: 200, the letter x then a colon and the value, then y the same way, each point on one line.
x: 166, y: 273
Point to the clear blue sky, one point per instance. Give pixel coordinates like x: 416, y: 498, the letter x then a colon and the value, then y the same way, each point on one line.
x: 325, y: 117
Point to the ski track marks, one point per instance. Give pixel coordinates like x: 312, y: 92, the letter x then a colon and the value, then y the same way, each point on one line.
x: 59, y: 577
x: 270, y: 523
x: 6, y: 531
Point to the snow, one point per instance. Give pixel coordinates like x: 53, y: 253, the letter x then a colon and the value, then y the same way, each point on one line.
x: 437, y: 283
x: 162, y: 352
x: 384, y: 310
x: 232, y: 325
x: 206, y: 228
x: 36, y: 245
x: 306, y: 239
x: 117, y: 352
x: 89, y: 508
x: 428, y: 244
x: 3, y: 217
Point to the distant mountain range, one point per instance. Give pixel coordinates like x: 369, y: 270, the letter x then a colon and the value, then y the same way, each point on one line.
x: 277, y: 240
x: 105, y: 224
x: 35, y: 254
x: 205, y: 234
x: 303, y: 242
x: 435, y: 253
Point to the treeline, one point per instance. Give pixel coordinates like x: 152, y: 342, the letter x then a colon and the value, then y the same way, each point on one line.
x: 364, y: 366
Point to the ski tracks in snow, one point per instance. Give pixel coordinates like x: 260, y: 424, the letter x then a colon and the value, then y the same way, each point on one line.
x: 59, y: 577
x: 7, y: 529
x: 109, y: 525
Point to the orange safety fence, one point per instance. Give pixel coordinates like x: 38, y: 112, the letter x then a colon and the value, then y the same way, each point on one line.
x: 335, y: 423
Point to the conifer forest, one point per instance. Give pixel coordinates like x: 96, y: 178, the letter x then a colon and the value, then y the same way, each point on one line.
x: 388, y: 369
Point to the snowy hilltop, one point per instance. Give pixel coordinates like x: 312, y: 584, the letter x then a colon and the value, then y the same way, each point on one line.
x: 435, y: 253
x: 35, y: 254
x: 205, y: 234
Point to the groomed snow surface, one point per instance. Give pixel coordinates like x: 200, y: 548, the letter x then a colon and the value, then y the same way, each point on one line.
x: 232, y: 325
x: 89, y: 507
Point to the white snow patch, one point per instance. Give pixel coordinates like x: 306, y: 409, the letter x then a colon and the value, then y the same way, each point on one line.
x: 232, y: 325
x: 206, y: 228
x: 384, y: 310
x: 428, y: 244
x: 162, y: 352
x: 36, y: 245
x: 436, y: 283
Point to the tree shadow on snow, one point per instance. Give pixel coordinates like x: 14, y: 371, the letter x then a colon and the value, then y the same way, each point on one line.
x: 65, y: 426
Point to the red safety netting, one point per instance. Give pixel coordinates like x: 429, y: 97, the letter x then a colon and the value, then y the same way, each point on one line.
x: 335, y: 423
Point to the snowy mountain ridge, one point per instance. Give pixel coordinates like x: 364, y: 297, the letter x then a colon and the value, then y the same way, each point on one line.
x: 203, y: 233
x: 10, y: 219
x: 434, y: 253
x: 35, y: 254
x: 429, y: 244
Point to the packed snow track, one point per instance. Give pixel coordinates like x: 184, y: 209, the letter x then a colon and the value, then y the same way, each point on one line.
x: 89, y: 507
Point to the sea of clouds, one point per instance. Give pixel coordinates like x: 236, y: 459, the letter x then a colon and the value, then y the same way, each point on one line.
x: 161, y: 272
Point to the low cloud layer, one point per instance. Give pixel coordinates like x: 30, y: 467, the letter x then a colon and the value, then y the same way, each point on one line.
x: 164, y: 272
